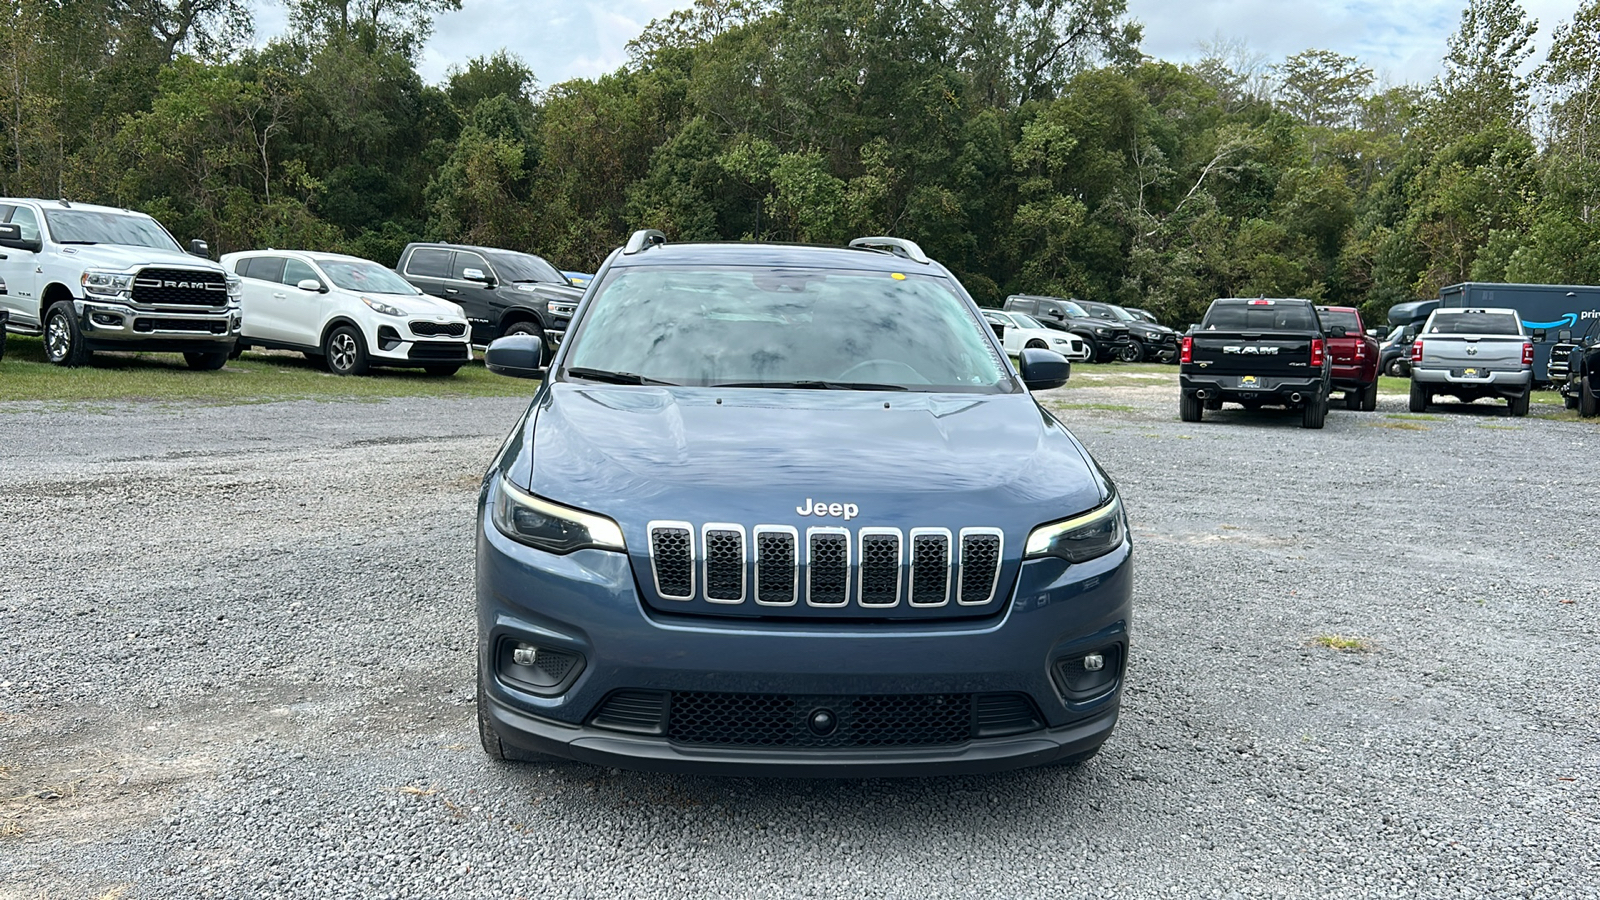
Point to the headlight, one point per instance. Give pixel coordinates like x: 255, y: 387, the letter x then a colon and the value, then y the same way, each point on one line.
x: 548, y: 526
x: 1103, y: 331
x: 235, y: 287
x: 380, y: 306
x: 107, y: 284
x: 1081, y: 538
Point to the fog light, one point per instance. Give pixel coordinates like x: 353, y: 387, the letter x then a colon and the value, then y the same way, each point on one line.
x: 525, y: 655
x: 1094, y: 662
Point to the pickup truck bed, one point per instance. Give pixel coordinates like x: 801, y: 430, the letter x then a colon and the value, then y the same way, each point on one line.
x: 1256, y: 353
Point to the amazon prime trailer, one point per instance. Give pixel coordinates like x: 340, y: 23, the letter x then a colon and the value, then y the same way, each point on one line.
x: 1546, y: 310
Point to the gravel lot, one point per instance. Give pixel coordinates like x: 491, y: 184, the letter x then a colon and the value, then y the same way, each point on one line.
x: 236, y: 661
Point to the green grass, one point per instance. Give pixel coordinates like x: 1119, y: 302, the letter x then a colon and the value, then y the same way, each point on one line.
x: 1415, y: 417
x: 252, y: 378
x: 1343, y: 644
x: 1101, y: 407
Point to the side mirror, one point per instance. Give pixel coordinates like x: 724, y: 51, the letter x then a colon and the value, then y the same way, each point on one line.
x: 1538, y: 335
x: 516, y: 355
x: 1042, y: 370
x: 1373, y: 332
x: 1337, y: 331
x: 11, y: 236
x: 200, y: 248
x: 312, y: 285
x: 1564, y: 336
x: 1057, y: 314
x: 478, y: 276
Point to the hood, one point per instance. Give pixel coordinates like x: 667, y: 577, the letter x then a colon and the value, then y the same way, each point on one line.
x: 117, y: 256
x: 639, y: 454
x: 416, y: 304
x: 1145, y: 329
x: 549, y: 290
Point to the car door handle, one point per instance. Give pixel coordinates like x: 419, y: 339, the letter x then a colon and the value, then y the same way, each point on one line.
x: 451, y: 291
x: 280, y: 296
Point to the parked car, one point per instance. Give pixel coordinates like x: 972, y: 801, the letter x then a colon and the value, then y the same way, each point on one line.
x: 1543, y: 309
x: 1146, y: 341
x: 1143, y: 315
x: 90, y: 278
x: 577, y: 279
x: 348, y: 312
x: 1104, y: 339
x: 1470, y: 354
x: 502, y: 291
x: 1353, y: 355
x: 1256, y: 353
x: 1575, y: 368
x: 1018, y: 331
x: 746, y: 530
x: 1394, y: 354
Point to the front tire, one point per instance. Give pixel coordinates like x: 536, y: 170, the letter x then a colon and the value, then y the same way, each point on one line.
x: 206, y: 362
x: 63, y: 342
x: 1131, y: 352
x: 1314, y: 413
x: 1190, y: 407
x: 1588, y: 403
x: 1419, y: 397
x: 546, y: 351
x: 1369, y: 398
x: 1092, y: 348
x: 490, y: 738
x: 346, y: 352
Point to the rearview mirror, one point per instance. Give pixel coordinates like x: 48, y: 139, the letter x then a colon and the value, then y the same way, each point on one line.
x: 11, y: 236
x: 476, y: 275
x: 312, y: 285
x: 516, y: 355
x: 1042, y: 370
x: 198, y: 247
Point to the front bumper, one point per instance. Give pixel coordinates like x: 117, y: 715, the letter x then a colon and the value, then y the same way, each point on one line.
x: 586, y: 604
x: 118, y: 326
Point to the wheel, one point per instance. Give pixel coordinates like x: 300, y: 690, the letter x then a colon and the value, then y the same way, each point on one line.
x: 1132, y: 352
x: 443, y: 370
x: 546, y: 351
x: 1035, y: 345
x: 1092, y: 348
x: 346, y: 352
x: 1419, y: 397
x: 1190, y: 407
x: 490, y: 738
x: 1369, y: 398
x: 1587, y: 402
x: 207, y: 362
x: 1213, y: 403
x: 1314, y: 413
x: 63, y: 342
x: 1517, y: 406
x: 238, y: 350
x: 1393, y: 368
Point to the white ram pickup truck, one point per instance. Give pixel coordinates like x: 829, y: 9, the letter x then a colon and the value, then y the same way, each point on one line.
x: 93, y: 278
x: 1471, y: 354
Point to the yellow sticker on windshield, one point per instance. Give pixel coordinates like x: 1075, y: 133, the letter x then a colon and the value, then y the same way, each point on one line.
x: 898, y: 276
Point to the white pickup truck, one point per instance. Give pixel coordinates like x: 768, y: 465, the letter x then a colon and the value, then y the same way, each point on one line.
x: 1470, y: 354
x: 93, y: 278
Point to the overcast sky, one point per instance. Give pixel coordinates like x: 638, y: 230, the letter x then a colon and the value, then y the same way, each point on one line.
x: 1402, y: 40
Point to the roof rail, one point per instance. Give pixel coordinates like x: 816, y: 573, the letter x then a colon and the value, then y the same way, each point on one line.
x: 643, y: 239
x: 898, y: 246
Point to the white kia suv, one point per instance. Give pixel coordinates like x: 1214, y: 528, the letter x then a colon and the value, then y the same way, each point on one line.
x: 351, y: 313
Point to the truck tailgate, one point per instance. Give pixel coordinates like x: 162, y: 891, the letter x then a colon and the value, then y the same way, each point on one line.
x: 1493, y: 352
x: 1253, y: 353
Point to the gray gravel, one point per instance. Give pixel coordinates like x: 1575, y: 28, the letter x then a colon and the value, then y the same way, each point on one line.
x: 236, y: 661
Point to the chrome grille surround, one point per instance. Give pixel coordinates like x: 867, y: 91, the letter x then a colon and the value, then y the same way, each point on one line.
x: 827, y: 574
x: 936, y: 544
x: 723, y: 551
x: 971, y: 591
x: 770, y: 543
x: 663, y: 534
x: 875, y: 546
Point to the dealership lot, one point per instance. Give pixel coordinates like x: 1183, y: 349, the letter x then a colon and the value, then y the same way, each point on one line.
x: 236, y: 660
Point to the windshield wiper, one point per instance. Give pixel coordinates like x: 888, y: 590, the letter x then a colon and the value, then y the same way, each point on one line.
x: 614, y: 377
x: 813, y: 385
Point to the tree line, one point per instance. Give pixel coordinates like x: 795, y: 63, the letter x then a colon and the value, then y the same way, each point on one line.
x: 1028, y: 144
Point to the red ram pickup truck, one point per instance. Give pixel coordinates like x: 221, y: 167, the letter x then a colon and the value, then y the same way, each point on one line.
x: 1354, y: 354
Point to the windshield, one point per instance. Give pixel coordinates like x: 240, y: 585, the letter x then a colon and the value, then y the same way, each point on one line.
x: 514, y: 267
x: 1027, y: 321
x: 1107, y: 311
x: 1474, y: 323
x: 361, y: 275
x: 82, y: 226
x: 756, y: 327
x: 1395, y: 334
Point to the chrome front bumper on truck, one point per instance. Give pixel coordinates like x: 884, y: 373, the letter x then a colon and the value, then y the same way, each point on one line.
x: 117, y: 326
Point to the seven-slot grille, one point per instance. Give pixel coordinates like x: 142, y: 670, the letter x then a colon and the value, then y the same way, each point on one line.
x: 435, y: 329
x: 180, y: 287
x: 826, y: 566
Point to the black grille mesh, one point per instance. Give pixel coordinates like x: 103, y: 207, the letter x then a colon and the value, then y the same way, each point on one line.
x: 880, y: 570
x: 433, y: 329
x: 441, y: 350
x: 180, y: 287
x: 829, y: 569
x: 672, y: 556
x: 724, y: 555
x: 781, y: 720
x: 930, y: 569
x: 149, y: 324
x: 775, y: 567
x: 980, y: 560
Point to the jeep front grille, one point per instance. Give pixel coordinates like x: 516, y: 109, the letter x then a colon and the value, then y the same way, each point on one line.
x: 180, y: 287
x: 830, y: 567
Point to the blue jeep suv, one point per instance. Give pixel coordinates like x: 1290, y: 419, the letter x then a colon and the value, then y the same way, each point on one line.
x: 790, y: 510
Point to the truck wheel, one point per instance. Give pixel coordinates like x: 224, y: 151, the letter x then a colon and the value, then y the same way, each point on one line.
x: 206, y: 362
x: 491, y: 738
x: 1587, y: 402
x: 442, y: 370
x: 1369, y: 398
x: 1190, y: 407
x: 1419, y: 397
x: 63, y: 342
x: 1131, y: 352
x: 346, y: 352
x: 1518, y: 406
x: 1092, y: 348
x: 1314, y: 413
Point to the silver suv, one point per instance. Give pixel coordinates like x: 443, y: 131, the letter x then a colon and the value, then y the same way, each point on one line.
x: 1470, y: 354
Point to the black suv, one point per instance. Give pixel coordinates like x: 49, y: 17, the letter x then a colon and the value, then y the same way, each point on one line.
x: 502, y: 291
x: 1575, y: 369
x: 1147, y: 341
x: 1105, y: 340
